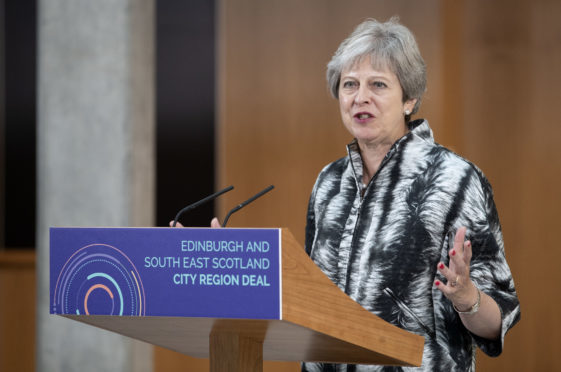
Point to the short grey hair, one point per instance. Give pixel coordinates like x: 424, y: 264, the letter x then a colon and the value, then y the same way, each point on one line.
x: 389, y: 45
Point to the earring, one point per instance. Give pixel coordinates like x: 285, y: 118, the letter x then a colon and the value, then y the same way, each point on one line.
x: 407, y: 112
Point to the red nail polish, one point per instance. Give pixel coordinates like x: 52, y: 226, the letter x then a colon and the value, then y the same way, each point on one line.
x: 453, y: 253
x: 441, y: 266
x: 437, y: 283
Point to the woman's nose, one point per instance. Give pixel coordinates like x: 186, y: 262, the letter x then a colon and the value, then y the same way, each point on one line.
x: 362, y: 95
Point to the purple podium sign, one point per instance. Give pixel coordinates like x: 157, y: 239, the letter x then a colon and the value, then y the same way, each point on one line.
x: 181, y: 272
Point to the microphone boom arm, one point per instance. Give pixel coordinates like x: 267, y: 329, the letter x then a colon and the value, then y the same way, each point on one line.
x: 243, y: 204
x: 202, y: 201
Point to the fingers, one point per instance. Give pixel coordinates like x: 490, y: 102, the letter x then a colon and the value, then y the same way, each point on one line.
x: 460, y: 252
x: 457, y: 274
x: 214, y: 223
x: 444, y: 288
x: 460, y: 259
x: 455, y: 283
x: 459, y: 238
x: 451, y: 276
x: 467, y: 253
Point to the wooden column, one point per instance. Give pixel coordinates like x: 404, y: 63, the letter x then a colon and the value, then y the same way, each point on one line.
x: 235, y: 352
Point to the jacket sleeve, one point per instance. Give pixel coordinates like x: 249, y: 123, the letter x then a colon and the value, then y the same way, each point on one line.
x: 310, y: 222
x: 489, y: 269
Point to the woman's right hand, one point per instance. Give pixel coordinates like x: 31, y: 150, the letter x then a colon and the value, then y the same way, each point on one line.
x: 214, y: 223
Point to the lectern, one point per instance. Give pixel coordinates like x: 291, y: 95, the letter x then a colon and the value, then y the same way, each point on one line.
x: 236, y: 296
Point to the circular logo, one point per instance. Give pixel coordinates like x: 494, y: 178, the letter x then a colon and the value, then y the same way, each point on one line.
x: 99, y: 279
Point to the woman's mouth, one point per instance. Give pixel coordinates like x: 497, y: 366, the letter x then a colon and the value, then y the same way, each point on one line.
x: 363, y: 115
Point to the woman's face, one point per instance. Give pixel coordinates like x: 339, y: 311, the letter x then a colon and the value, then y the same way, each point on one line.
x: 371, y: 104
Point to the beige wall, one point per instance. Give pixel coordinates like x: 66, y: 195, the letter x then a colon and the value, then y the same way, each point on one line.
x: 510, y: 84
x: 17, y: 310
x: 494, y: 77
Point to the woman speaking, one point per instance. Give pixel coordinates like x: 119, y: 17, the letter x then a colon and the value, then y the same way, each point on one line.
x: 404, y: 226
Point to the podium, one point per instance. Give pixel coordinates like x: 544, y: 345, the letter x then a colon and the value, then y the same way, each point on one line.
x: 235, y: 296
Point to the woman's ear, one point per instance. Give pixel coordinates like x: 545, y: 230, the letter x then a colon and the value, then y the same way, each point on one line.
x: 409, y: 105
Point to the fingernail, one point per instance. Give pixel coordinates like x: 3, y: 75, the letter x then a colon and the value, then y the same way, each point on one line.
x: 437, y: 283
x: 441, y: 266
x: 453, y: 253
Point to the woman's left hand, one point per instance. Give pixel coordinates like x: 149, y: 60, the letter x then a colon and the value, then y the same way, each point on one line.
x: 458, y: 287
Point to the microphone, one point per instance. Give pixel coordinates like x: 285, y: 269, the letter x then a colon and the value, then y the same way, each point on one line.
x: 243, y: 204
x: 202, y: 201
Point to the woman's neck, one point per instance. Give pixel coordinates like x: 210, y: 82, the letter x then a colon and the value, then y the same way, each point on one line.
x: 373, y: 154
x: 372, y: 159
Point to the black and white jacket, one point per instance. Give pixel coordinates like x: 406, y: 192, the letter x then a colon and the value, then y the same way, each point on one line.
x: 381, y: 245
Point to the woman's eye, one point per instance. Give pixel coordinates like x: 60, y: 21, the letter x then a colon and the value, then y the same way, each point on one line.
x: 349, y: 84
x: 379, y: 84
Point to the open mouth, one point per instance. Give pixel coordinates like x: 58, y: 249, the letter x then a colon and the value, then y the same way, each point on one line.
x: 363, y: 115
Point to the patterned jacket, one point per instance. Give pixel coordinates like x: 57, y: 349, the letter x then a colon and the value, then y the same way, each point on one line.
x: 382, y: 248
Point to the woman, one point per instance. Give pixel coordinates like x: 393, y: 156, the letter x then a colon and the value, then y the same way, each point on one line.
x: 404, y: 226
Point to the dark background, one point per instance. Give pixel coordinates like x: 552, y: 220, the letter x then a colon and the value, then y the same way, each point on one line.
x: 20, y: 50
x: 185, y: 89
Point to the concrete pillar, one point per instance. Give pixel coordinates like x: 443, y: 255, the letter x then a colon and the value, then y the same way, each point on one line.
x: 96, y: 154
